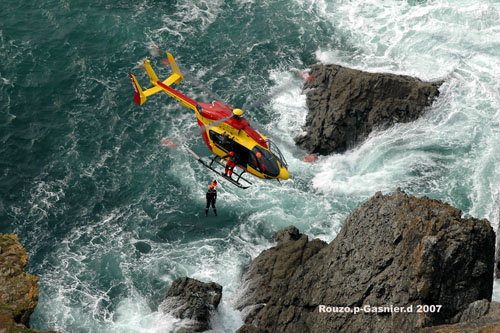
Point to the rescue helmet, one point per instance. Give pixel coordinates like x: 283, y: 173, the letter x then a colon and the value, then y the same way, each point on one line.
x: 259, y: 155
x: 231, y: 153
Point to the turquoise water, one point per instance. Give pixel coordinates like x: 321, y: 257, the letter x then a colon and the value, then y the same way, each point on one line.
x: 109, y: 216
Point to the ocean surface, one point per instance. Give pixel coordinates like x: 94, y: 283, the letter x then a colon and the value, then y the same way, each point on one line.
x: 110, y: 216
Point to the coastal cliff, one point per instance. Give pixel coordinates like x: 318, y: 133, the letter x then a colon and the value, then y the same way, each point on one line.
x: 346, y: 105
x: 18, y: 289
x: 393, y: 250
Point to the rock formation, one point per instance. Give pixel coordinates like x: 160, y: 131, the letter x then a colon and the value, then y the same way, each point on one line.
x: 249, y: 329
x: 480, y: 317
x: 191, y: 299
x: 497, y: 258
x: 18, y: 289
x: 392, y: 250
x: 272, y: 268
x: 346, y: 105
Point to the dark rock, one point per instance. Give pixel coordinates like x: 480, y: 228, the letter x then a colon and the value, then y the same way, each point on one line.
x: 489, y: 322
x: 288, y: 234
x: 272, y: 268
x: 143, y: 247
x: 392, y: 250
x: 475, y: 310
x: 191, y: 299
x: 18, y: 289
x: 346, y: 105
x: 249, y: 329
x: 497, y: 258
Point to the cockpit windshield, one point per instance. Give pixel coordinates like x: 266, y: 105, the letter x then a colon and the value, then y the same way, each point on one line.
x: 262, y: 160
x: 276, y: 152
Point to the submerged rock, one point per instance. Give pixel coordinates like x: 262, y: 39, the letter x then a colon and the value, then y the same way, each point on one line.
x: 191, y: 299
x: 346, y: 105
x: 394, y: 250
x: 18, y: 289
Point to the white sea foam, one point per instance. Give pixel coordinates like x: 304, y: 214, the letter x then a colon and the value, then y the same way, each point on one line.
x: 201, y: 12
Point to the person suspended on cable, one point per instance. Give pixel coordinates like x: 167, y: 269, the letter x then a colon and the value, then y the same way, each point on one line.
x: 231, y: 163
x: 211, y: 198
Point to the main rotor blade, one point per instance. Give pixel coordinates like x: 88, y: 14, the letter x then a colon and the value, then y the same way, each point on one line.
x: 197, y: 83
x: 265, y: 99
x: 156, y: 51
x: 268, y: 97
x: 215, y: 123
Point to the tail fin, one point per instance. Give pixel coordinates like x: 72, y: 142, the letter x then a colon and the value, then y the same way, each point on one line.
x: 151, y: 73
x: 176, y: 77
x: 175, y: 69
x: 139, y: 97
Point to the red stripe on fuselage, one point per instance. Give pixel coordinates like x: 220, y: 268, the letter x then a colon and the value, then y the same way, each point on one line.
x: 178, y: 94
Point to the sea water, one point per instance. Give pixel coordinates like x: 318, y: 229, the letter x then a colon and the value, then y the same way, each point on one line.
x: 110, y: 217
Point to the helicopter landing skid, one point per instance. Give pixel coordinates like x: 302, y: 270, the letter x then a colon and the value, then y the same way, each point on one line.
x: 216, y: 159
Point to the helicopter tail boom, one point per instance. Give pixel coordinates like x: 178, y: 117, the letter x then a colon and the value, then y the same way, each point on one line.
x: 176, y: 77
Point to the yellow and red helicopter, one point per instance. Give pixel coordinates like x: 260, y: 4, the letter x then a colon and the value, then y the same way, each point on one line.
x: 223, y: 128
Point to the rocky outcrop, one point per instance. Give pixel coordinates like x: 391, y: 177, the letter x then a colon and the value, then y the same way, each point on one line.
x: 249, y: 329
x: 18, y: 289
x: 346, y: 105
x: 394, y: 250
x: 271, y: 270
x: 191, y: 299
x: 480, y: 317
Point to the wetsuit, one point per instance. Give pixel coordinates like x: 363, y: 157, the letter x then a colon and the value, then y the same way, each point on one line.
x: 211, y: 198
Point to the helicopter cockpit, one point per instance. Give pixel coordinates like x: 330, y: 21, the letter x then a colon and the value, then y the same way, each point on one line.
x: 259, y: 158
x: 263, y: 161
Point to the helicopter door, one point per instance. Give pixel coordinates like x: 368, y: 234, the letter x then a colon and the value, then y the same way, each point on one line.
x: 222, y: 141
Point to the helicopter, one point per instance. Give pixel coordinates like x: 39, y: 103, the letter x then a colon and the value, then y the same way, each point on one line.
x: 224, y: 130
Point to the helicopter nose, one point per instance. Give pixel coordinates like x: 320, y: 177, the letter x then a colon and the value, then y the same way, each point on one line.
x: 284, y: 174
